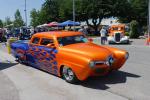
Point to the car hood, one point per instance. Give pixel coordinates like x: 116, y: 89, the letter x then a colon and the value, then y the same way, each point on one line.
x: 89, y: 50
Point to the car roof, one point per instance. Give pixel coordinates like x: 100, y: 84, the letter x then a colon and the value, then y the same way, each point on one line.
x: 57, y: 34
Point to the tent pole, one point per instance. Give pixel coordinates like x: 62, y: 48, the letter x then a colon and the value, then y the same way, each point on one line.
x: 74, y: 14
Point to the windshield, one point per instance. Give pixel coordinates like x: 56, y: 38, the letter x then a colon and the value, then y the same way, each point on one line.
x: 72, y: 40
x: 115, y: 28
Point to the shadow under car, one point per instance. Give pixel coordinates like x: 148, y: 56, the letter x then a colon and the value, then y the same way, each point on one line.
x: 101, y: 82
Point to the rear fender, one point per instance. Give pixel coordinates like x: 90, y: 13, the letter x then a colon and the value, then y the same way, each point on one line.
x: 21, y: 54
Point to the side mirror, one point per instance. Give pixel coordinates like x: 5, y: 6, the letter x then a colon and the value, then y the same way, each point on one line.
x: 90, y: 39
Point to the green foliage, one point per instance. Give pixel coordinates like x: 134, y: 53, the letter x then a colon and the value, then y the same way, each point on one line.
x: 96, y: 10
x: 145, y: 29
x: 127, y: 34
x: 140, y: 8
x: 8, y: 22
x: 134, y: 29
x: 136, y: 10
x: 49, y: 11
x: 34, y: 18
x: 18, y: 22
x: 65, y: 10
x: 1, y: 23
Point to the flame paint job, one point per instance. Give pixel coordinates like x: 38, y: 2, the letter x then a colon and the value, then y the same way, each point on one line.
x: 76, y: 56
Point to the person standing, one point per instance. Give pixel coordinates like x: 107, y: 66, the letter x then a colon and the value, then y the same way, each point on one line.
x: 32, y: 31
x: 103, y: 34
x: 83, y: 30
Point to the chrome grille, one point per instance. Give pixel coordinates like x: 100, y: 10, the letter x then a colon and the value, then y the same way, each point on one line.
x: 117, y: 37
x: 99, y: 62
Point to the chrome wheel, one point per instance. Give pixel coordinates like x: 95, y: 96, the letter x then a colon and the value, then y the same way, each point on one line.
x: 18, y: 60
x: 21, y: 61
x: 69, y: 75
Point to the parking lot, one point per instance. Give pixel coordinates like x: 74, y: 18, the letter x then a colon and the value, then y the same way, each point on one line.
x: 131, y: 82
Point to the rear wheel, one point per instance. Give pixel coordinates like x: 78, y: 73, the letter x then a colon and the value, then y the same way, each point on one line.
x: 19, y: 60
x: 69, y: 75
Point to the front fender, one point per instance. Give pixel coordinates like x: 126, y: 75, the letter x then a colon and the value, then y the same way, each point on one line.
x: 119, y: 56
x: 125, y: 38
x: 119, y: 60
x: 110, y: 38
x: 81, y: 71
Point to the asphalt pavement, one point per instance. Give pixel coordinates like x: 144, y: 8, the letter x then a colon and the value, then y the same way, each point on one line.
x: 131, y: 82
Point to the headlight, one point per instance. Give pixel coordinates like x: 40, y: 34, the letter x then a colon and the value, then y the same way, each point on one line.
x: 109, y: 61
x: 127, y: 55
x: 92, y: 64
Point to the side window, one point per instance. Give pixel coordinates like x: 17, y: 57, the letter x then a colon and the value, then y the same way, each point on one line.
x: 35, y: 40
x: 46, y: 41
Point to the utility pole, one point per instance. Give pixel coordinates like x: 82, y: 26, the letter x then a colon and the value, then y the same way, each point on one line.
x: 74, y: 19
x: 148, y: 19
x: 25, y: 11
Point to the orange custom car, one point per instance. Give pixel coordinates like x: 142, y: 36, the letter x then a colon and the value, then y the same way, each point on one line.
x: 69, y: 55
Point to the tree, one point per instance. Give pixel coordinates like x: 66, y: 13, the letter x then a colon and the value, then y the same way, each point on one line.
x: 7, y: 21
x: 53, y: 10
x: 18, y: 22
x: 134, y: 29
x: 95, y: 10
x: 34, y: 15
x: 49, y: 11
x: 140, y: 9
x: 65, y: 10
x: 135, y: 10
x: 1, y: 23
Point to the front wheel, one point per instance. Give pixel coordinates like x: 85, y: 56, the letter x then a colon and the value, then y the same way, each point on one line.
x: 69, y: 75
x: 109, y: 43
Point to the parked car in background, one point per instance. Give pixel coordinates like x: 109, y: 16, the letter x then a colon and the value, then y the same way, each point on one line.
x: 24, y: 37
x: 2, y: 36
x: 117, y: 34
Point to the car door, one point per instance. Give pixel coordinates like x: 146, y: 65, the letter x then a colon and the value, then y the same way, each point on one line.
x: 33, y: 51
x: 47, y: 56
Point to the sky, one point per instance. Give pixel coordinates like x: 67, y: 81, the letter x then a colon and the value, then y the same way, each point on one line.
x: 9, y: 7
